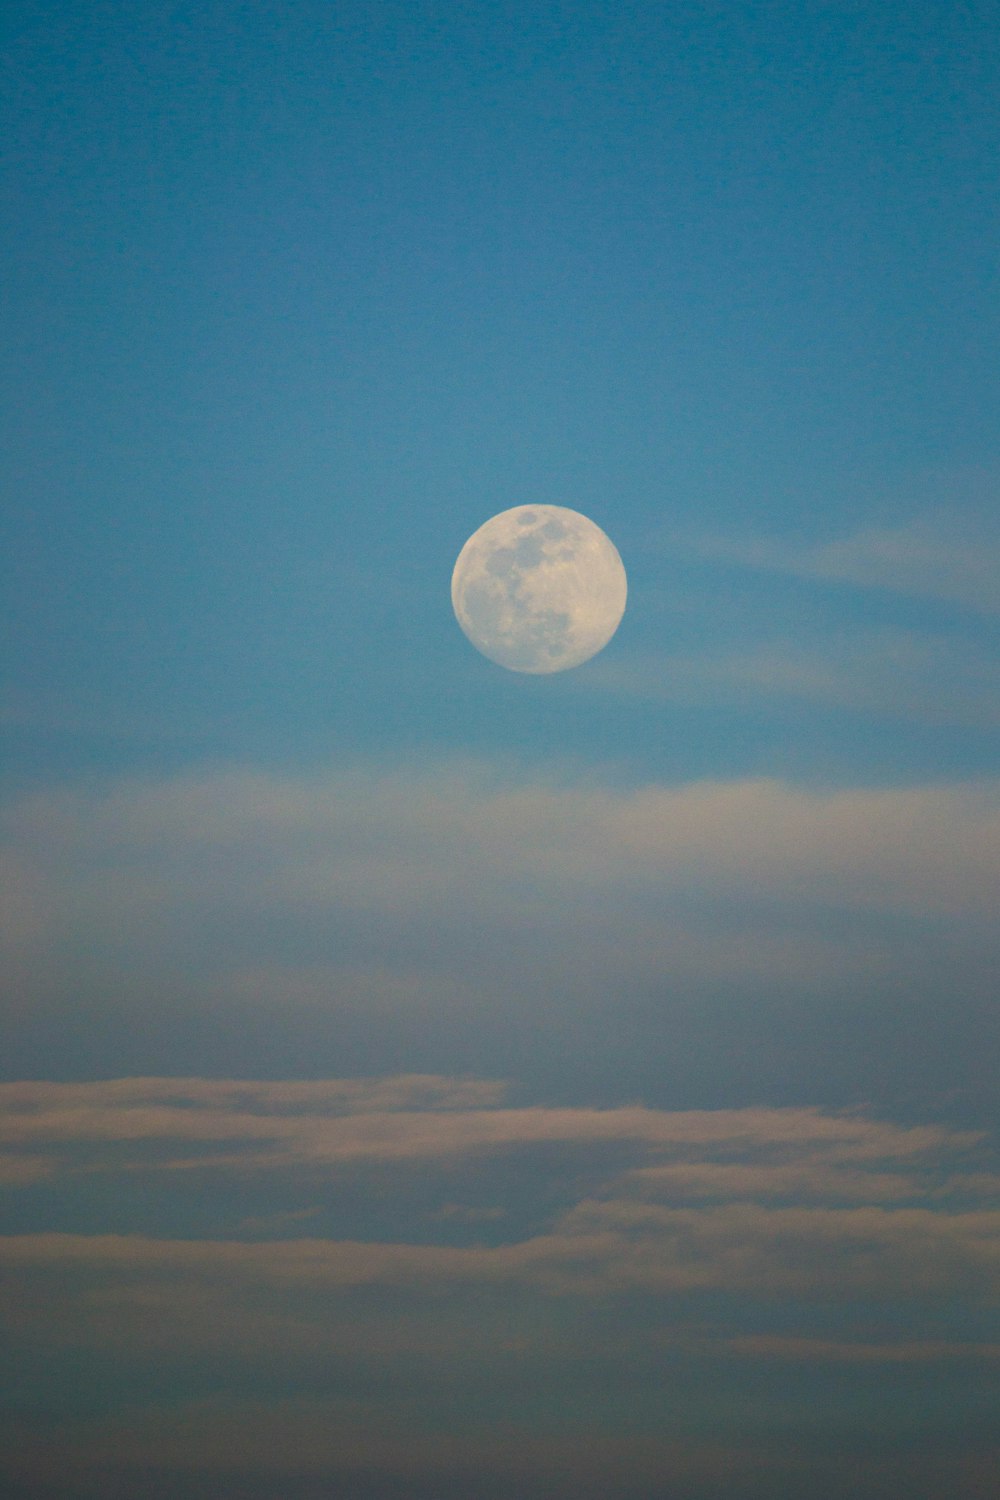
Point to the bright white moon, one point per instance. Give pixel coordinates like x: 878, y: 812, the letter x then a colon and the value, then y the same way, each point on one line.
x: 539, y: 588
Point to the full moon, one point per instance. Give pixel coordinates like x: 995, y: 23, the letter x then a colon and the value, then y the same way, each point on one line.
x: 539, y: 588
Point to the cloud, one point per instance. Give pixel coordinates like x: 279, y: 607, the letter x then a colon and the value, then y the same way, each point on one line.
x: 38, y: 1103
x: 922, y: 557
x: 907, y: 662
x: 739, y: 1180
x: 802, y: 1252
x: 891, y: 672
x: 409, y: 1118
x: 912, y: 1351
x: 599, y: 1248
x: 459, y: 919
x: 846, y: 1216
x: 518, y: 1259
x: 236, y: 857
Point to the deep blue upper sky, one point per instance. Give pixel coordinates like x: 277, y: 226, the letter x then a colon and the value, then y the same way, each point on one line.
x: 301, y: 294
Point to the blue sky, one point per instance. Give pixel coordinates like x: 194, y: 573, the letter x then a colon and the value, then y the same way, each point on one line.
x: 299, y: 297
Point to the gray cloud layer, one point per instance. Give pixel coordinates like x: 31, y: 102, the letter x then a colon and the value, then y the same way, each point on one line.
x: 780, y: 1190
x: 129, y: 867
x: 441, y: 916
x: 541, y: 1255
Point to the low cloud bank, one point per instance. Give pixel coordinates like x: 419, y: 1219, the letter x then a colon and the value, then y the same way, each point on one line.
x: 435, y: 1252
x: 758, y: 1201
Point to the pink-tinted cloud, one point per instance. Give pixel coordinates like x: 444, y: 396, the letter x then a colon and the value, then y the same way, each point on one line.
x: 771, y: 1206
x: 419, y: 1117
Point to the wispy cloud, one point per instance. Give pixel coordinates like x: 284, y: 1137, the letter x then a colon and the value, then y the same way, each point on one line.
x: 908, y: 663
x: 922, y: 557
x: 859, y: 1198
x: 541, y: 1243
x: 919, y: 677
x: 600, y: 1248
x: 908, y: 1351
x: 406, y: 1118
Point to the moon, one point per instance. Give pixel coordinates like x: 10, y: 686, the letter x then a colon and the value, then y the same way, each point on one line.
x: 539, y: 588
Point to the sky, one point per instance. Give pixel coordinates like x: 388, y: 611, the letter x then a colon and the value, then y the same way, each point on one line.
x: 423, y: 1079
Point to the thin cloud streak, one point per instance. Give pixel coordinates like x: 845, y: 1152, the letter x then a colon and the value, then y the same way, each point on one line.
x: 599, y: 1248
x: 921, y: 678
x: 920, y: 558
x: 915, y: 1351
x: 859, y: 1199
x: 339, y: 1121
